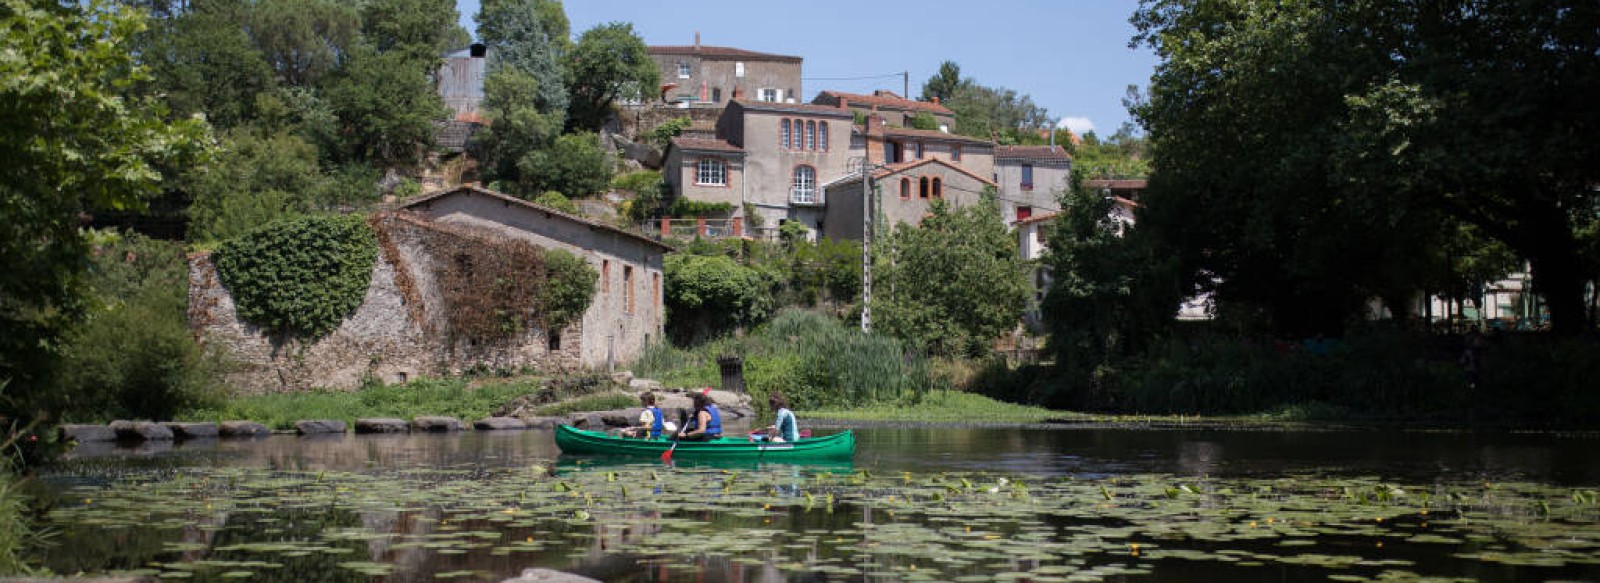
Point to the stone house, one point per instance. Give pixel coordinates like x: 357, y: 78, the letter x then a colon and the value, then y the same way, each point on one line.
x: 395, y: 334
x: 1030, y: 178
x: 896, y: 110
x: 904, y: 193
x: 707, y: 74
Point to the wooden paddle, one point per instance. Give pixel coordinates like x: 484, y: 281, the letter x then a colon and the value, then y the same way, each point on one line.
x: 683, y: 423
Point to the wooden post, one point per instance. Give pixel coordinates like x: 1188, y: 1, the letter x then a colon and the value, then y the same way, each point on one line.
x: 666, y: 227
x: 738, y: 227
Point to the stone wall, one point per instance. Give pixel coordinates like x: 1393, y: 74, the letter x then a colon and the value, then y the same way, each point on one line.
x: 639, y: 120
x: 394, y: 335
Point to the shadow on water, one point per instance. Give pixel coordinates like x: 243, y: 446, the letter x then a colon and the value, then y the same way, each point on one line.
x: 943, y: 504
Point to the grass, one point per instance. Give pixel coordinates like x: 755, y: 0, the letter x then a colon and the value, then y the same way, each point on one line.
x: 946, y: 406
x: 450, y: 397
x: 14, y: 525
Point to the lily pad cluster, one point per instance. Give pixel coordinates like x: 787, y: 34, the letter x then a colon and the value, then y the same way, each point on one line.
x: 678, y: 523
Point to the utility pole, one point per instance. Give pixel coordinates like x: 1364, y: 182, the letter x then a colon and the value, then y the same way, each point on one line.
x: 866, y: 245
x: 905, y: 81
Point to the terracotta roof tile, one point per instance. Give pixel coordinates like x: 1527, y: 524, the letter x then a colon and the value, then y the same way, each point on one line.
x: 592, y: 224
x: 704, y: 144
x: 1039, y: 218
x: 708, y: 51
x: 885, y: 99
x: 932, y: 135
x: 1118, y: 184
x: 794, y: 108
x: 899, y: 167
x: 1048, y: 153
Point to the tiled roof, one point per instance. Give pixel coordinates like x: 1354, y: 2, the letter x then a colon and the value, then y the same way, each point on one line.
x: 1045, y: 153
x: 708, y: 51
x: 899, y: 167
x: 704, y: 145
x: 932, y: 135
x: 1119, y: 184
x: 888, y: 100
x: 468, y: 189
x: 1039, y: 218
x: 794, y: 107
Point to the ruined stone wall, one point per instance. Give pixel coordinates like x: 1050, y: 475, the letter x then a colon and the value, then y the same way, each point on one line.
x: 395, y: 335
x: 638, y: 120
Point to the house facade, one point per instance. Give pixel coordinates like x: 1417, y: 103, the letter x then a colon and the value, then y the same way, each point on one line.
x: 1029, y: 179
x: 709, y: 74
x: 904, y: 193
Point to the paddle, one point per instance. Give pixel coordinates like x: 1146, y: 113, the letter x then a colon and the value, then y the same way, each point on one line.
x: 683, y: 423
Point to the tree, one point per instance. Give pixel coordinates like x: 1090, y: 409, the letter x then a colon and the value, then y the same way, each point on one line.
x: 945, y: 84
x: 72, y: 143
x: 516, y: 125
x: 984, y: 111
x: 256, y: 180
x: 528, y: 36
x: 610, y: 62
x: 423, y: 29
x: 575, y: 166
x: 953, y: 283
x: 204, y: 62
x: 708, y: 295
x: 303, y: 40
x: 386, y: 106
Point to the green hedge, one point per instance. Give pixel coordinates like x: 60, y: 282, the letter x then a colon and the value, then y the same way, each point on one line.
x: 300, y: 277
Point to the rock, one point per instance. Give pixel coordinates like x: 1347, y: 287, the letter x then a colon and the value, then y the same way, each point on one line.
x: 499, y: 423
x: 543, y: 422
x: 549, y: 576
x: 437, y: 423
x: 622, y: 377
x: 642, y: 385
x: 242, y: 429
x: 85, y: 433
x: 382, y: 425
x: 589, y: 421
x: 192, y: 430
x: 318, y: 426
x: 140, y: 430
x: 623, y: 418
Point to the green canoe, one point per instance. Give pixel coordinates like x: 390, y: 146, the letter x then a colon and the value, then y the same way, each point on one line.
x: 839, y: 446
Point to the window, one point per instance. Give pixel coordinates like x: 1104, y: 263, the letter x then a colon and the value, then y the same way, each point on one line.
x: 922, y: 187
x: 711, y: 171
x: 716, y: 95
x: 938, y: 187
x: 1027, y: 177
x: 905, y: 188
x: 822, y: 135
x: 805, y: 185
x: 554, y: 343
x: 605, y: 276
x: 767, y: 94
x: 891, y: 152
x: 919, y: 150
x: 683, y: 70
x: 738, y: 69
x: 811, y: 135
x: 1024, y: 212
x: 955, y: 153
x: 784, y: 141
x: 627, y: 288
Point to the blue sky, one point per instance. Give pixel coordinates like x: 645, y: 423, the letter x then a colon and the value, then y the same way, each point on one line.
x: 1071, y: 56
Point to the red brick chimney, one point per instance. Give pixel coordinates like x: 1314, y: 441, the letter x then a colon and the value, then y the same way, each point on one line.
x: 738, y: 93
x: 697, y: 41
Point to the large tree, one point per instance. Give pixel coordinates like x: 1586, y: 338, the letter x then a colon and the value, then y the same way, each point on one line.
x: 983, y: 111
x: 72, y: 142
x: 528, y: 37
x: 608, y: 63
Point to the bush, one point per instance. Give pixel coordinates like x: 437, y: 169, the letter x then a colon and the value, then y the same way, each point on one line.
x: 665, y: 131
x: 300, y: 278
x: 557, y: 201
x: 575, y: 165
x: 708, y: 295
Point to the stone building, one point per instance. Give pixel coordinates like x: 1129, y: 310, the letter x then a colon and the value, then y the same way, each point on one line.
x: 395, y: 334
x: 1030, y: 178
x: 903, y: 193
x: 897, y: 111
x: 706, y: 74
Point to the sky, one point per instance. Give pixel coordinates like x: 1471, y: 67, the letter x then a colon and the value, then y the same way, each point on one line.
x: 1070, y: 56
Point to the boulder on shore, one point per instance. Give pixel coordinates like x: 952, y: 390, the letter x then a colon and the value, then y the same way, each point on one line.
x: 318, y: 426
x: 85, y: 433
x: 437, y: 423
x: 141, y: 431
x: 499, y: 423
x: 184, y: 430
x: 242, y: 429
x: 382, y: 425
x: 544, y: 422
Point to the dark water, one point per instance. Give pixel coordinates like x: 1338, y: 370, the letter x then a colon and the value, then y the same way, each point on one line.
x: 1511, y: 493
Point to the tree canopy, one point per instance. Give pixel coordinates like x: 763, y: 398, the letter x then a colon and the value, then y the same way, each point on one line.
x: 609, y: 62
x: 983, y: 111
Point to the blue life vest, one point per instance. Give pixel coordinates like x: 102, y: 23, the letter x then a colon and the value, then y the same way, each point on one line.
x: 656, y: 422
x: 714, y: 427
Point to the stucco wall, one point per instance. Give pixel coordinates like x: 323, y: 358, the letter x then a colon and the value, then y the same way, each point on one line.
x: 1049, y: 180
x: 720, y: 73
x: 681, y: 169
x: 769, y: 168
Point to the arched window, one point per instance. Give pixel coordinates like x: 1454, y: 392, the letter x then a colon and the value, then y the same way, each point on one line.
x: 905, y: 188
x: 811, y: 135
x: 938, y: 188
x: 784, y: 141
x: 804, y: 189
x: 922, y: 187
x: 822, y: 135
x: 711, y: 171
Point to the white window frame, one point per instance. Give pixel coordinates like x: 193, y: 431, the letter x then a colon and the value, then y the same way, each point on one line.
x: 711, y: 172
x: 738, y: 69
x: 684, y: 70
x: 769, y: 94
x: 803, y: 189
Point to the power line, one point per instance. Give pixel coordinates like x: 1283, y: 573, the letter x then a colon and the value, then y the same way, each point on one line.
x: 851, y: 78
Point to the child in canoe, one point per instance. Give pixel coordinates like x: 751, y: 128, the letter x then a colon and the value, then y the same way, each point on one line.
x: 652, y: 422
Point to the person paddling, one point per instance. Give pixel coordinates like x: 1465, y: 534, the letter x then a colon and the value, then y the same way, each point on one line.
x: 706, y: 424
x: 652, y: 421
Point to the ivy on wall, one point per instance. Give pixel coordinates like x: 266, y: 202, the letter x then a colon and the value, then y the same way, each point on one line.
x: 300, y: 277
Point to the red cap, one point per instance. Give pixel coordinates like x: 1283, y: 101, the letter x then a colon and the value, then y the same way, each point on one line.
x: 706, y: 391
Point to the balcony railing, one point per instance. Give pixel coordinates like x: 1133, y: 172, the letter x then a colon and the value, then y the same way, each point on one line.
x: 805, y: 196
x: 695, y: 228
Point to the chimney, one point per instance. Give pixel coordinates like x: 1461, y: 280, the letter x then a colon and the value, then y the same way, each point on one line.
x: 874, y: 124
x: 738, y: 92
x: 844, y: 103
x: 697, y: 41
x: 936, y: 100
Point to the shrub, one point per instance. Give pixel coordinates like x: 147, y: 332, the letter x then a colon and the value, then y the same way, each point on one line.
x: 642, y: 182
x: 665, y: 131
x: 300, y: 278
x: 706, y: 295
x: 557, y: 201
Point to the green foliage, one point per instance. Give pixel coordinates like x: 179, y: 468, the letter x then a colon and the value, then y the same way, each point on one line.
x: 256, y: 180
x: 575, y: 165
x: 516, y: 126
x: 793, y: 232
x: 924, y: 121
x: 954, y: 283
x: 422, y: 28
x: 816, y: 361
x: 685, y: 208
x: 17, y: 531
x: 640, y: 183
x: 303, y: 40
x: 205, y: 62
x: 569, y: 287
x: 753, y: 218
x: 134, y: 356
x: 1124, y: 155
x: 557, y: 201
x: 453, y: 397
x: 944, y: 406
x: 300, y: 278
x: 982, y: 110
x: 827, y: 270
x: 386, y: 103
x: 609, y: 62
x: 663, y: 133
x: 71, y: 143
x: 707, y: 295
x: 527, y: 37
